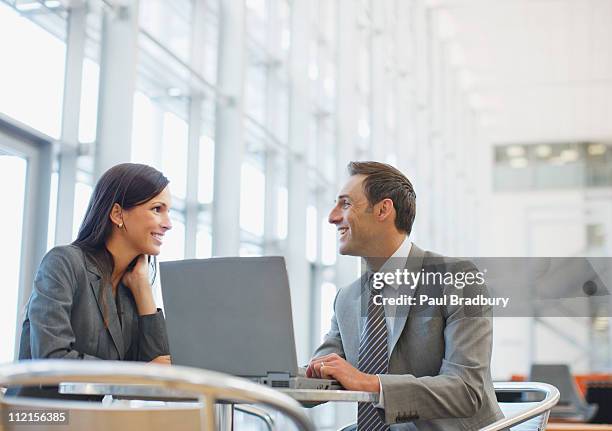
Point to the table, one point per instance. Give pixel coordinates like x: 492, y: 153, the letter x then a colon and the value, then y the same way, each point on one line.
x: 140, y: 392
x: 577, y: 427
x: 225, y: 411
x: 319, y: 395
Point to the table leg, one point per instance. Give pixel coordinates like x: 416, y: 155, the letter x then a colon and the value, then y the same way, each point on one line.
x: 225, y: 417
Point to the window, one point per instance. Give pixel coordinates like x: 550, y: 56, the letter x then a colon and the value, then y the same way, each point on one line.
x: 52, y: 211
x: 255, y: 88
x: 174, y: 242
x: 211, y: 33
x: 203, y: 243
x: 282, y: 208
x: 89, y: 101
x: 206, y: 170
x: 32, y: 87
x: 146, y: 129
x: 169, y: 23
x: 252, y: 192
x: 256, y: 19
x: 328, y: 238
x: 82, y: 193
x: 12, y: 171
x: 174, y: 159
x: 311, y: 233
x: 249, y: 249
x: 328, y: 294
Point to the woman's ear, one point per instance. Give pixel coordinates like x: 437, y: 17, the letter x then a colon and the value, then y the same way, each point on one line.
x: 116, y: 215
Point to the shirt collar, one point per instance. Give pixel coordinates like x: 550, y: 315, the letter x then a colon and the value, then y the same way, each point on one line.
x: 398, y: 259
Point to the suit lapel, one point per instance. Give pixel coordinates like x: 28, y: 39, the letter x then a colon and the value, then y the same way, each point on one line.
x: 95, y: 282
x: 127, y: 313
x: 414, y: 264
x: 361, y: 304
x: 353, y: 320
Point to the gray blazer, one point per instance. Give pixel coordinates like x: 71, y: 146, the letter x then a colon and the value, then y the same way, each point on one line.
x: 64, y: 315
x: 439, y: 367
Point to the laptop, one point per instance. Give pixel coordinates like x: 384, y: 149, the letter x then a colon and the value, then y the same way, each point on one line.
x: 233, y: 315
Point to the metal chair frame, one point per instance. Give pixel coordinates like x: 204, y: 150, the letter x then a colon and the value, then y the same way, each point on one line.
x: 208, y: 386
x: 258, y: 413
x: 551, y: 397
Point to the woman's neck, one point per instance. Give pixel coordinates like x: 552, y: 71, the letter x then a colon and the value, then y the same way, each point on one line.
x: 122, y: 256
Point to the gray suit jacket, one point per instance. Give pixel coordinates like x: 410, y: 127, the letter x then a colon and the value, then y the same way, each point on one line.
x: 439, y: 366
x: 64, y: 315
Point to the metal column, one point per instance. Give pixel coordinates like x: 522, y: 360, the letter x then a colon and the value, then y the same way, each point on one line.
x: 406, y: 96
x: 378, y: 148
x: 117, y: 84
x: 423, y: 177
x: 69, y: 148
x: 196, y: 60
x: 273, y: 114
x: 229, y: 129
x: 347, y: 102
x: 299, y: 111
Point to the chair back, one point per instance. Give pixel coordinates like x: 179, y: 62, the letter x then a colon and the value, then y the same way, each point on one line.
x: 525, y: 416
x: 521, y: 416
x: 560, y: 376
x: 571, y: 403
x: 207, y: 386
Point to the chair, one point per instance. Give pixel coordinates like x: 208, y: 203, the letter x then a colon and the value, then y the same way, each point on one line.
x: 524, y: 416
x: 260, y: 414
x: 521, y: 416
x: 600, y: 393
x: 208, y: 386
x: 572, y: 404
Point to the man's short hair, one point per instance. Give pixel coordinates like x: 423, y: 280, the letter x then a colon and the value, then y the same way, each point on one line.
x: 383, y: 181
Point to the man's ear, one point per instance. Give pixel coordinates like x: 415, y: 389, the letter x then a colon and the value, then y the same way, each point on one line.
x: 385, y: 209
x: 116, y: 214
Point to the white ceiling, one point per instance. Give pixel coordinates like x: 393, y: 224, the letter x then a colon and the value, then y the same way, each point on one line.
x: 542, y: 69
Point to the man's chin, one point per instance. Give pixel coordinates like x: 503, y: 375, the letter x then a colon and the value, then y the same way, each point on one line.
x: 346, y: 251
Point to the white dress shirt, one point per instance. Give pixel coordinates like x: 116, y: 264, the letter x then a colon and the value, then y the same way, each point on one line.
x: 397, y: 261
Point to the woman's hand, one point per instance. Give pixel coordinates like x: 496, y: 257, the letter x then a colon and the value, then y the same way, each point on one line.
x: 138, y: 276
x: 163, y: 360
x: 137, y: 280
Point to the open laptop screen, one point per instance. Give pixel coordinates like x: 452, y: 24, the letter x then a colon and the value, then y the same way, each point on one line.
x: 230, y: 314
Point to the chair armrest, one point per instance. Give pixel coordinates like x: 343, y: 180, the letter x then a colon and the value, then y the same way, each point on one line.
x: 551, y: 397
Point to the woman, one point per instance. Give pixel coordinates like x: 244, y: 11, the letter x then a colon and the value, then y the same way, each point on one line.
x: 92, y: 299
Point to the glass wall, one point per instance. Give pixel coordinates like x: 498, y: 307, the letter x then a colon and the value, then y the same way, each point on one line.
x: 33, y: 85
x: 312, y: 99
x: 12, y: 171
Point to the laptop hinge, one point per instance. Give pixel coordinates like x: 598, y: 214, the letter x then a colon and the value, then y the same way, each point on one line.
x: 276, y: 379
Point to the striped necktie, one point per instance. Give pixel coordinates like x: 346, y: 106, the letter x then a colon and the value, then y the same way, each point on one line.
x: 372, y: 357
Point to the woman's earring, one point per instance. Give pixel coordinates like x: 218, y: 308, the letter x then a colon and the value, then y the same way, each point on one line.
x: 120, y: 225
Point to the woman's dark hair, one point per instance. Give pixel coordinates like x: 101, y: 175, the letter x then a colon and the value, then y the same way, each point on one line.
x: 129, y: 185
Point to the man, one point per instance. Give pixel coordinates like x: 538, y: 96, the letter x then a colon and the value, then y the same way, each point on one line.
x: 430, y: 364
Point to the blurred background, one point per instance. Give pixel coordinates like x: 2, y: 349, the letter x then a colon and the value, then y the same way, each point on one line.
x: 499, y: 111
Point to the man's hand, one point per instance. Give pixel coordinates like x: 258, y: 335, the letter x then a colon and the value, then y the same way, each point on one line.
x: 332, y: 366
x: 164, y: 360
